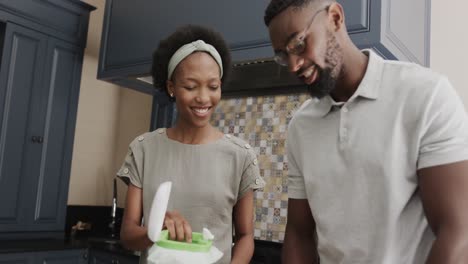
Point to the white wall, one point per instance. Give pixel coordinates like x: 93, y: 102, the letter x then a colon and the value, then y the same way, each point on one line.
x: 449, y: 43
x: 109, y: 117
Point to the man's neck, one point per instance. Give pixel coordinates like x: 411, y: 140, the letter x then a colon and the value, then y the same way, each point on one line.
x: 353, y: 71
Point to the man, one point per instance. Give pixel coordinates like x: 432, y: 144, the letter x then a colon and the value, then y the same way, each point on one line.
x: 378, y: 169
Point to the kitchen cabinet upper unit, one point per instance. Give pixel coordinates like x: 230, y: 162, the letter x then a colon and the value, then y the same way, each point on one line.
x: 397, y: 29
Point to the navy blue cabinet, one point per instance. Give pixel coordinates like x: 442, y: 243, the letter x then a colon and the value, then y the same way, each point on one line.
x: 79, y: 256
x: 22, y: 62
x: 145, y: 23
x: 41, y: 56
x: 163, y: 112
x: 63, y: 19
x: 17, y: 258
x: 39, y: 83
x: 133, y: 29
x: 103, y: 257
x: 59, y: 102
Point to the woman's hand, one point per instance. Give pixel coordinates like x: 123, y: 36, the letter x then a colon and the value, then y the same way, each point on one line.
x: 178, y: 227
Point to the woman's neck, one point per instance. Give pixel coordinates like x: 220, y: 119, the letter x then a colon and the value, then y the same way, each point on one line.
x: 193, y: 135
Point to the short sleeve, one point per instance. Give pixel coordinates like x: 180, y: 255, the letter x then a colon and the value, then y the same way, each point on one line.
x: 296, y: 185
x: 251, y: 178
x: 131, y: 169
x: 444, y: 136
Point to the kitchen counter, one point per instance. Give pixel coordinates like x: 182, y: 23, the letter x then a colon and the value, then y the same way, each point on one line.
x: 265, y: 252
x: 30, y: 245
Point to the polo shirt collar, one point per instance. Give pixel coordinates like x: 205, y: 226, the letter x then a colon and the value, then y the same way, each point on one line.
x: 368, y: 88
x: 370, y: 84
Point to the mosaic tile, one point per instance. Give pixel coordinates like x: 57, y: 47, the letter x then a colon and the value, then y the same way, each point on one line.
x: 262, y: 121
x: 280, y: 236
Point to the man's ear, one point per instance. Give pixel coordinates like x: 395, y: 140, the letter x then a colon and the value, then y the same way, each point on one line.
x: 337, y: 16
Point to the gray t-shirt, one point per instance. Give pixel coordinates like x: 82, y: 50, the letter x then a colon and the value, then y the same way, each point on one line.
x: 207, y: 179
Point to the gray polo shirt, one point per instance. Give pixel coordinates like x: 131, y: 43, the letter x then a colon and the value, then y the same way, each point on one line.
x: 356, y: 162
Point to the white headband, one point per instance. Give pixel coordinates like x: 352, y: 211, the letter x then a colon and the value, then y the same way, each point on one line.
x: 190, y: 48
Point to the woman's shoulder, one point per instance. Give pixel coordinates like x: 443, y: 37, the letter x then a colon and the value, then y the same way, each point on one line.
x: 148, y: 137
x: 238, y: 144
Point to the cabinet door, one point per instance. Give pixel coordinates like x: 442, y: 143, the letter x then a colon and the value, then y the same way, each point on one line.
x: 58, y: 101
x: 62, y: 257
x: 20, y: 77
x: 101, y: 257
x: 17, y: 258
x: 96, y: 258
x: 240, y: 22
x: 39, y: 86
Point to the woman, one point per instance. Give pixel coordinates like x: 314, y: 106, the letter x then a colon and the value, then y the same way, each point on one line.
x: 213, y: 174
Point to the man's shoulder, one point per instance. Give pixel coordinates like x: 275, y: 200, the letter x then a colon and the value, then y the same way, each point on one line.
x: 402, y: 74
x: 312, y: 108
x: 409, y: 72
x: 303, y: 117
x: 410, y: 80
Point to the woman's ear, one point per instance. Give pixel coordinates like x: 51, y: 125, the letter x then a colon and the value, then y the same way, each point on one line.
x: 336, y: 14
x: 170, y: 88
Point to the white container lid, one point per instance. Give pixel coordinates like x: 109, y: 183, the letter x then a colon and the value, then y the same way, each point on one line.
x: 158, y: 210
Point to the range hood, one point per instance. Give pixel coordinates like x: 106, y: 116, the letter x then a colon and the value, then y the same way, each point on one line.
x: 254, y: 78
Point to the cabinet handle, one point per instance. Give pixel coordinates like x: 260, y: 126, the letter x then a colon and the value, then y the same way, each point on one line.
x: 37, y: 139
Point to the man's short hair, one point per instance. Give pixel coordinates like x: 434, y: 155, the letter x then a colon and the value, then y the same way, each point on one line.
x: 277, y: 6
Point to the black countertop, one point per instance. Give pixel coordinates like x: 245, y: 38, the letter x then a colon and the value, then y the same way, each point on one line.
x: 95, y: 239
x: 29, y: 245
x: 265, y: 252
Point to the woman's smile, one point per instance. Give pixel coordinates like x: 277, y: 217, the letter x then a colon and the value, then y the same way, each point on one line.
x: 201, y: 111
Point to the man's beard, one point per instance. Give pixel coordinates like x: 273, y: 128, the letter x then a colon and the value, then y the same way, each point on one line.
x: 329, y: 75
x: 324, y: 85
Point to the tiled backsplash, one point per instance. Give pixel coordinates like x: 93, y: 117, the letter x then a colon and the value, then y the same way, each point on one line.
x: 262, y: 121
